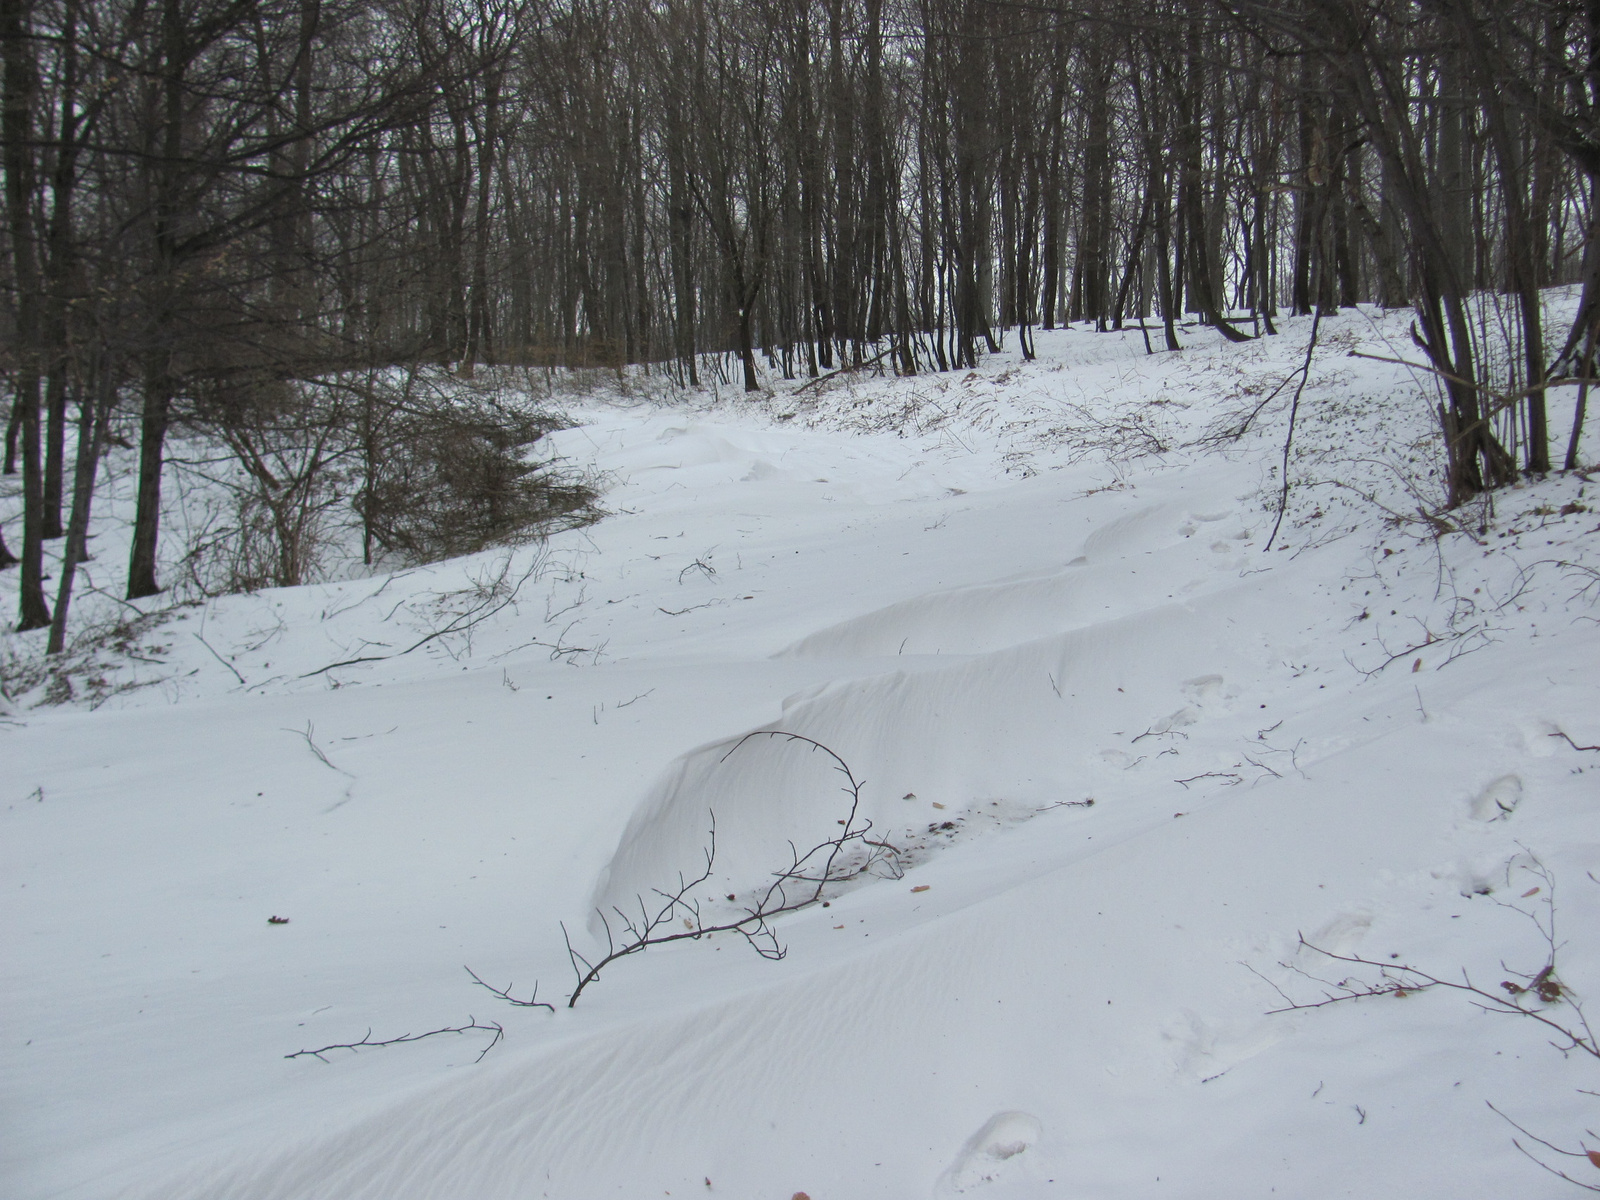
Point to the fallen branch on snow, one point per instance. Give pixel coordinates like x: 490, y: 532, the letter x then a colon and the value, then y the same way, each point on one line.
x: 472, y: 1023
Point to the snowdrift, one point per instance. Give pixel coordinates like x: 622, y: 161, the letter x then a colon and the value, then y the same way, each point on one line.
x: 1142, y: 777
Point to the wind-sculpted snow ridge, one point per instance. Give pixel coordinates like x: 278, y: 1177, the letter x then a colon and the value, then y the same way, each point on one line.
x: 1191, y: 555
x: 1098, y: 993
x: 958, y: 736
x: 1020, y: 720
x: 1139, y: 778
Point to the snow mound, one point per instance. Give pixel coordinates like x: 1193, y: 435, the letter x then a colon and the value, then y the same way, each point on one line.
x: 1036, y: 724
x: 1151, y: 791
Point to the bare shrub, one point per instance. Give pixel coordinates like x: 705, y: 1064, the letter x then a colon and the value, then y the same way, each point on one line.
x: 424, y: 465
x: 444, y: 470
x: 277, y: 455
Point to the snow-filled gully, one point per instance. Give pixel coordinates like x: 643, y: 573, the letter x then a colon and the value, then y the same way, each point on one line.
x: 1046, y: 997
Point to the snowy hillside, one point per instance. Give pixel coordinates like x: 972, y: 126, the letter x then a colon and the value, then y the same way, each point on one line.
x: 1122, y: 757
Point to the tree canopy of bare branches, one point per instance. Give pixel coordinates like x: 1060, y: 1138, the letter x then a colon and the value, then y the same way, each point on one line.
x: 216, y: 207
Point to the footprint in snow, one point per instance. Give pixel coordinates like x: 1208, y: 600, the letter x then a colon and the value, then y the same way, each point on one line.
x: 1207, y: 690
x: 1342, y: 934
x: 994, y: 1154
x: 1498, y: 800
x: 1181, y: 719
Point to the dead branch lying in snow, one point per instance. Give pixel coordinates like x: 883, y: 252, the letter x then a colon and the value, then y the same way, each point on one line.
x: 1533, y: 995
x: 489, y: 599
x: 796, y: 886
x: 472, y: 1023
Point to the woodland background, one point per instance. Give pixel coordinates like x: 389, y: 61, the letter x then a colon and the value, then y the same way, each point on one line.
x: 295, y: 232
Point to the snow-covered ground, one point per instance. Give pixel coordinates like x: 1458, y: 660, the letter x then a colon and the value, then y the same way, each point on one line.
x: 995, y: 596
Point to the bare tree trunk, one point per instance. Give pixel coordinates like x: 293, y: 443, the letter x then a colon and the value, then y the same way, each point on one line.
x: 157, y: 403
x: 1158, y: 189
x: 1191, y: 195
x: 1586, y: 366
x: 1521, y: 241
x: 94, y: 419
x: 1096, y: 227
x: 62, y: 268
x: 158, y: 382
x: 20, y: 88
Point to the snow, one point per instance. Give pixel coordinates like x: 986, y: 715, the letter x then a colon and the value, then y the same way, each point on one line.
x: 995, y: 596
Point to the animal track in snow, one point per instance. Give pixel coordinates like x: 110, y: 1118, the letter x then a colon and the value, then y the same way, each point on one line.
x: 1171, y: 724
x: 1343, y: 933
x: 991, y: 1154
x: 1209, y: 692
x: 1471, y: 877
x: 1536, y: 738
x: 1205, y: 1049
x: 1498, y: 800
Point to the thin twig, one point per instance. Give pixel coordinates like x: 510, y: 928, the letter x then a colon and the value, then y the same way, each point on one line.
x: 504, y: 993
x: 809, y: 874
x: 679, y: 612
x: 843, y: 370
x: 1572, y: 743
x: 1399, y: 979
x: 1588, y: 1154
x: 1228, y: 775
x: 308, y: 733
x: 1294, y: 413
x: 464, y: 621
x: 220, y: 659
x: 472, y: 1023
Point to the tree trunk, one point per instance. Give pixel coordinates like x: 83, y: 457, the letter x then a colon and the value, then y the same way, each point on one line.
x: 20, y: 88
x: 94, y: 418
x: 147, y: 514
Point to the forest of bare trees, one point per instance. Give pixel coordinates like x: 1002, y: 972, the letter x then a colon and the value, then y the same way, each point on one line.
x: 241, y: 218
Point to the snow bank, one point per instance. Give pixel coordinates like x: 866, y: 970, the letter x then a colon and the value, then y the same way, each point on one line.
x: 997, y: 598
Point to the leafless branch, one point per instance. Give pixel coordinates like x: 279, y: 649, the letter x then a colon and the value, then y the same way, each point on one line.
x: 843, y: 371
x: 1592, y: 1155
x: 679, y: 612
x: 1294, y: 412
x: 495, y: 600
x: 1157, y: 730
x: 1543, y: 987
x: 798, y: 885
x: 309, y: 733
x: 472, y: 1023
x: 1457, y: 641
x: 1572, y: 743
x: 504, y: 993
x: 1230, y: 776
x: 221, y: 660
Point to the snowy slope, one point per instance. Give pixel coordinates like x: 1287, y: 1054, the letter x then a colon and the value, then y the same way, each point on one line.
x: 996, y: 597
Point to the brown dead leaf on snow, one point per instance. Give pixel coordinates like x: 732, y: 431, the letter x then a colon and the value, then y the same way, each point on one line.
x: 922, y: 887
x: 1533, y: 891
x: 1594, y: 1157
